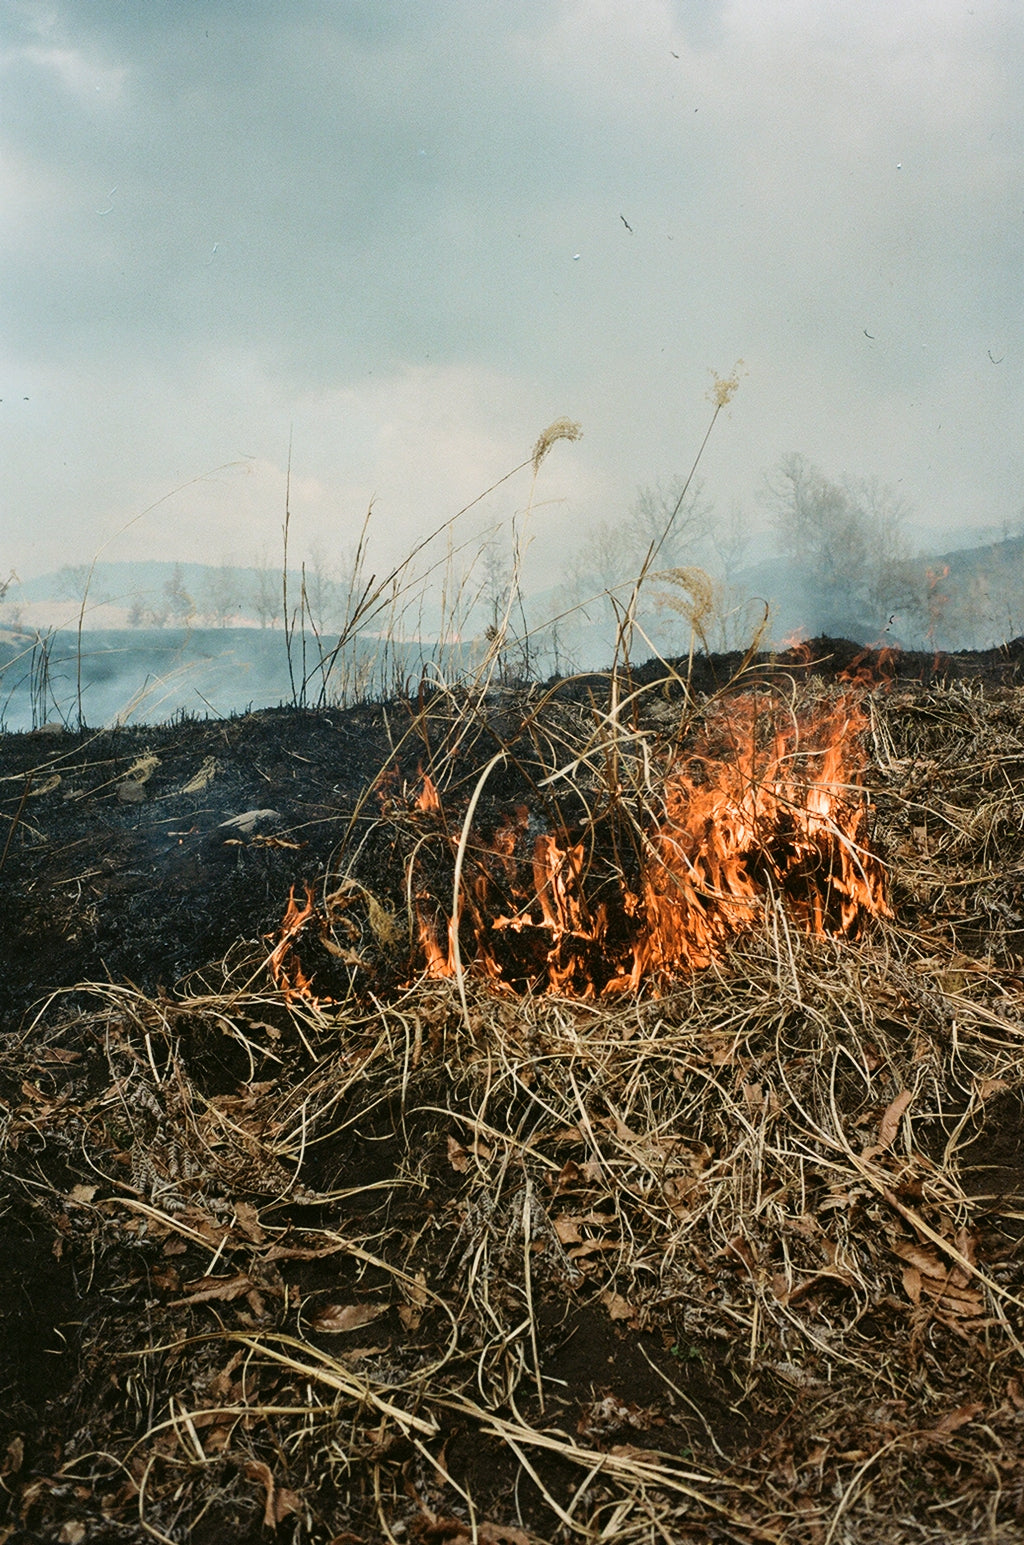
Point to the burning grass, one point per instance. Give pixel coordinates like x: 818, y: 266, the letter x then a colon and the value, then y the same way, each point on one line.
x: 738, y: 1259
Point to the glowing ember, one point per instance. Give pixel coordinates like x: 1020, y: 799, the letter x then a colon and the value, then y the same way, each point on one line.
x: 766, y: 810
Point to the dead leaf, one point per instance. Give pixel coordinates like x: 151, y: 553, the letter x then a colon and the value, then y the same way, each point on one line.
x: 247, y: 1221
x: 335, y: 1319
x: 210, y: 1289
x: 409, y: 1317
x: 912, y: 1283
x: 890, y: 1123
x: 257, y: 1471
x: 458, y: 1157
x: 14, y: 1457
x: 286, y: 1502
x: 958, y: 1418
x: 80, y: 1196
x: 619, y: 1308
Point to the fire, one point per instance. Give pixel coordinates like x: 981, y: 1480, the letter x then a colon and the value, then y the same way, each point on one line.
x: 284, y: 963
x: 765, y: 810
x: 428, y: 798
x: 784, y: 822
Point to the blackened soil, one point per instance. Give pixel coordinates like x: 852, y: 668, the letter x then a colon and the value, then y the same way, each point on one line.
x: 98, y: 886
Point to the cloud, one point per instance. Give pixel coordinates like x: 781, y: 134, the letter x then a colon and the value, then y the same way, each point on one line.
x: 224, y: 218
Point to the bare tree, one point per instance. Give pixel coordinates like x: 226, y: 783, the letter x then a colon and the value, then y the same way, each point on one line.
x: 848, y: 541
x: 221, y: 597
x: 265, y: 595
x: 180, y: 605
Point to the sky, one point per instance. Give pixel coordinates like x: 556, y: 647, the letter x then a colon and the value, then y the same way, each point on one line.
x: 403, y: 236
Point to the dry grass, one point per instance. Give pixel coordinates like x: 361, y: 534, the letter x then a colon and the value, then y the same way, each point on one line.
x: 738, y: 1262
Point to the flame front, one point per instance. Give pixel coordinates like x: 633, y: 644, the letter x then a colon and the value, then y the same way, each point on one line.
x: 766, y: 810
x: 783, y: 824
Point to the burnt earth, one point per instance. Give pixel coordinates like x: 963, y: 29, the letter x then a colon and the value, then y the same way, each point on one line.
x: 117, y: 867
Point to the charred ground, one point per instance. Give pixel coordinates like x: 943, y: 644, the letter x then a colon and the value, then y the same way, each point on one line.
x: 403, y: 1264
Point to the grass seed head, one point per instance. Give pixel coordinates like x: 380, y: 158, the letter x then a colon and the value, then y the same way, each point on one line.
x: 561, y: 429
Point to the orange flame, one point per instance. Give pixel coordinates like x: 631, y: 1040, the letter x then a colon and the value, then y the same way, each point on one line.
x: 284, y: 963
x: 755, y: 830
x: 765, y: 811
x: 428, y: 798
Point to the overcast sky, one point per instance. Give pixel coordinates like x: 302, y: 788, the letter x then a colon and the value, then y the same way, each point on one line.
x: 413, y: 232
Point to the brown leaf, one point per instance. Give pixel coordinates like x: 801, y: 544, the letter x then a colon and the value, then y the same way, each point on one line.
x: 334, y: 1319
x: 890, y: 1124
x: 80, y: 1196
x: 458, y: 1157
x: 409, y: 1317
x: 958, y: 1418
x: 567, y: 1228
x: 286, y: 1502
x: 619, y: 1308
x: 569, y: 1176
x: 257, y: 1471
x: 248, y: 1223
x: 208, y: 1289
x: 14, y: 1457
x: 912, y: 1283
